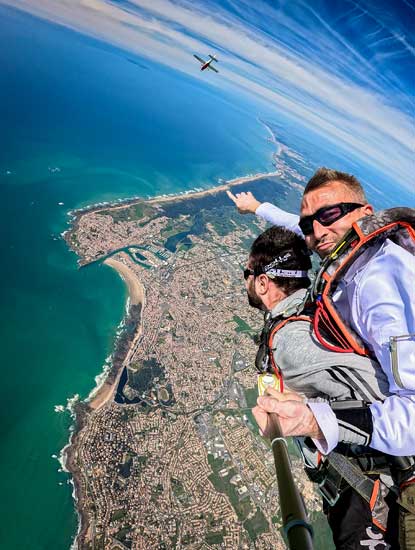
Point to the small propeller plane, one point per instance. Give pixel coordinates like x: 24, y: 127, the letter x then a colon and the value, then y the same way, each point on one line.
x: 207, y: 64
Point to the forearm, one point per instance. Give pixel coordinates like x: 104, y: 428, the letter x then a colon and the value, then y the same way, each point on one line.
x: 276, y: 216
x: 384, y: 426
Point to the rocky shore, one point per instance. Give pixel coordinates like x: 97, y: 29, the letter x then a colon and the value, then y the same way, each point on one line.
x: 104, y: 394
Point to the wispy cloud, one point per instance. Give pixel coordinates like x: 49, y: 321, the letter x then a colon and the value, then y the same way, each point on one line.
x: 301, y: 61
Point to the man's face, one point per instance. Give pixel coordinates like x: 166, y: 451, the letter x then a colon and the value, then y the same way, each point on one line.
x: 253, y: 298
x: 323, y: 239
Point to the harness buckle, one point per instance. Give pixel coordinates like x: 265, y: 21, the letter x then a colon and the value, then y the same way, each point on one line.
x: 328, y: 481
x: 329, y: 490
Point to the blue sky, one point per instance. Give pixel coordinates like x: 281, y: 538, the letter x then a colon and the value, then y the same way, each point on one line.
x: 342, y: 68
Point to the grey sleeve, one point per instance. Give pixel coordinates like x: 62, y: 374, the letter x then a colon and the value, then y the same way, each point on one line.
x: 322, y: 375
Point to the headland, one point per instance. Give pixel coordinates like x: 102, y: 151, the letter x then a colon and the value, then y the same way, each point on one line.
x: 166, y: 453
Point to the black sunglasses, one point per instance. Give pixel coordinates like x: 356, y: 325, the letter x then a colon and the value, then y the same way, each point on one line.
x: 247, y: 273
x: 327, y: 215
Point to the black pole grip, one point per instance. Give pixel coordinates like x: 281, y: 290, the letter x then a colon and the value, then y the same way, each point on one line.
x: 294, y: 514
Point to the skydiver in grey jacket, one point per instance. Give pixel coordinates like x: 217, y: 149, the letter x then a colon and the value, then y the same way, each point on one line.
x: 276, y: 280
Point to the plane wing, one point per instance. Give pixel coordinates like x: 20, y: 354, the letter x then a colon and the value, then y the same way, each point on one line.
x: 212, y: 68
x: 199, y: 59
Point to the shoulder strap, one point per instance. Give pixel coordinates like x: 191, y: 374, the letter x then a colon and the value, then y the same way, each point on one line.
x: 396, y: 224
x: 278, y: 326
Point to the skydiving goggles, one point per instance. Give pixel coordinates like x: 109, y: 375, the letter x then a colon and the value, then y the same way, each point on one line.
x: 327, y: 215
x: 271, y: 270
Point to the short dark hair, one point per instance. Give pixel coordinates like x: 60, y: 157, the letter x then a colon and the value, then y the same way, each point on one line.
x: 273, y: 243
x: 323, y: 176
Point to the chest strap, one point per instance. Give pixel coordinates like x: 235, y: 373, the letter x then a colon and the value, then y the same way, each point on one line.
x: 337, y: 468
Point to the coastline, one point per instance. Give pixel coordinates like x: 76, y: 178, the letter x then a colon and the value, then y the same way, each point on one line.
x: 135, y: 288
x: 104, y: 394
x: 70, y: 457
x: 118, y: 204
x: 136, y: 297
x: 110, y: 378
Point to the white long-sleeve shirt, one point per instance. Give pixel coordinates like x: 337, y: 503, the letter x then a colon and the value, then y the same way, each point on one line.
x: 272, y: 214
x: 377, y: 298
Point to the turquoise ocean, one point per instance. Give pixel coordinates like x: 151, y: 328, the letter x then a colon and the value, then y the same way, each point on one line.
x: 80, y: 123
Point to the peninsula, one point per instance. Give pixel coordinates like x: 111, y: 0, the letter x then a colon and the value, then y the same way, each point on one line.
x: 166, y: 454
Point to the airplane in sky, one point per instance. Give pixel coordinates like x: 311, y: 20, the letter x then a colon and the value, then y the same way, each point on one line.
x: 207, y: 64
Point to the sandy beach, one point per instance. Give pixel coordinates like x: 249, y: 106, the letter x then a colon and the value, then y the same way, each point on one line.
x: 104, y: 393
x: 136, y: 294
x: 135, y: 288
x: 191, y: 194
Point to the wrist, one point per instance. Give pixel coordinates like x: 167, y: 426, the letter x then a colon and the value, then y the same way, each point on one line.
x: 255, y: 205
x: 315, y: 431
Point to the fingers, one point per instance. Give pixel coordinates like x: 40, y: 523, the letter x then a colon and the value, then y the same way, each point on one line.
x: 231, y: 196
x: 268, y: 404
x: 295, y: 418
x: 284, y: 408
x: 261, y: 418
x: 243, y: 195
x: 284, y: 396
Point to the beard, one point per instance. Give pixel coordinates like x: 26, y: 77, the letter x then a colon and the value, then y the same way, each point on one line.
x: 253, y: 299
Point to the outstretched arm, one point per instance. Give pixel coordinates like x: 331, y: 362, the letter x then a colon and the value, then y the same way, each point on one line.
x: 246, y: 203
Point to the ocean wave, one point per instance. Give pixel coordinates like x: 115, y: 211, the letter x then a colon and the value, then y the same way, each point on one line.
x: 74, y: 545
x: 70, y: 404
x: 62, y: 458
x: 99, y: 380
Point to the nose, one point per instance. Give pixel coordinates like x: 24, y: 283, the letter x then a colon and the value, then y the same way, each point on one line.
x: 318, y: 230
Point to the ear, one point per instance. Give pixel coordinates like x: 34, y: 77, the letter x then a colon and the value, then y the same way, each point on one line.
x: 368, y: 209
x: 261, y: 284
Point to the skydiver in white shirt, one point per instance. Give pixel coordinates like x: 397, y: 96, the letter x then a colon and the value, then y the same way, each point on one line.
x: 376, y: 297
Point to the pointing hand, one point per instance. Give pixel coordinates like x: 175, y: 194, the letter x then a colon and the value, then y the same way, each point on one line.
x: 246, y: 203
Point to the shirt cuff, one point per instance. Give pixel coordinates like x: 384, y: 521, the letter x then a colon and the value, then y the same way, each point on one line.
x: 326, y: 419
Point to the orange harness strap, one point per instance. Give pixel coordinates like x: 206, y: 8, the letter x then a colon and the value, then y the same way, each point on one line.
x: 326, y: 315
x: 277, y: 327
